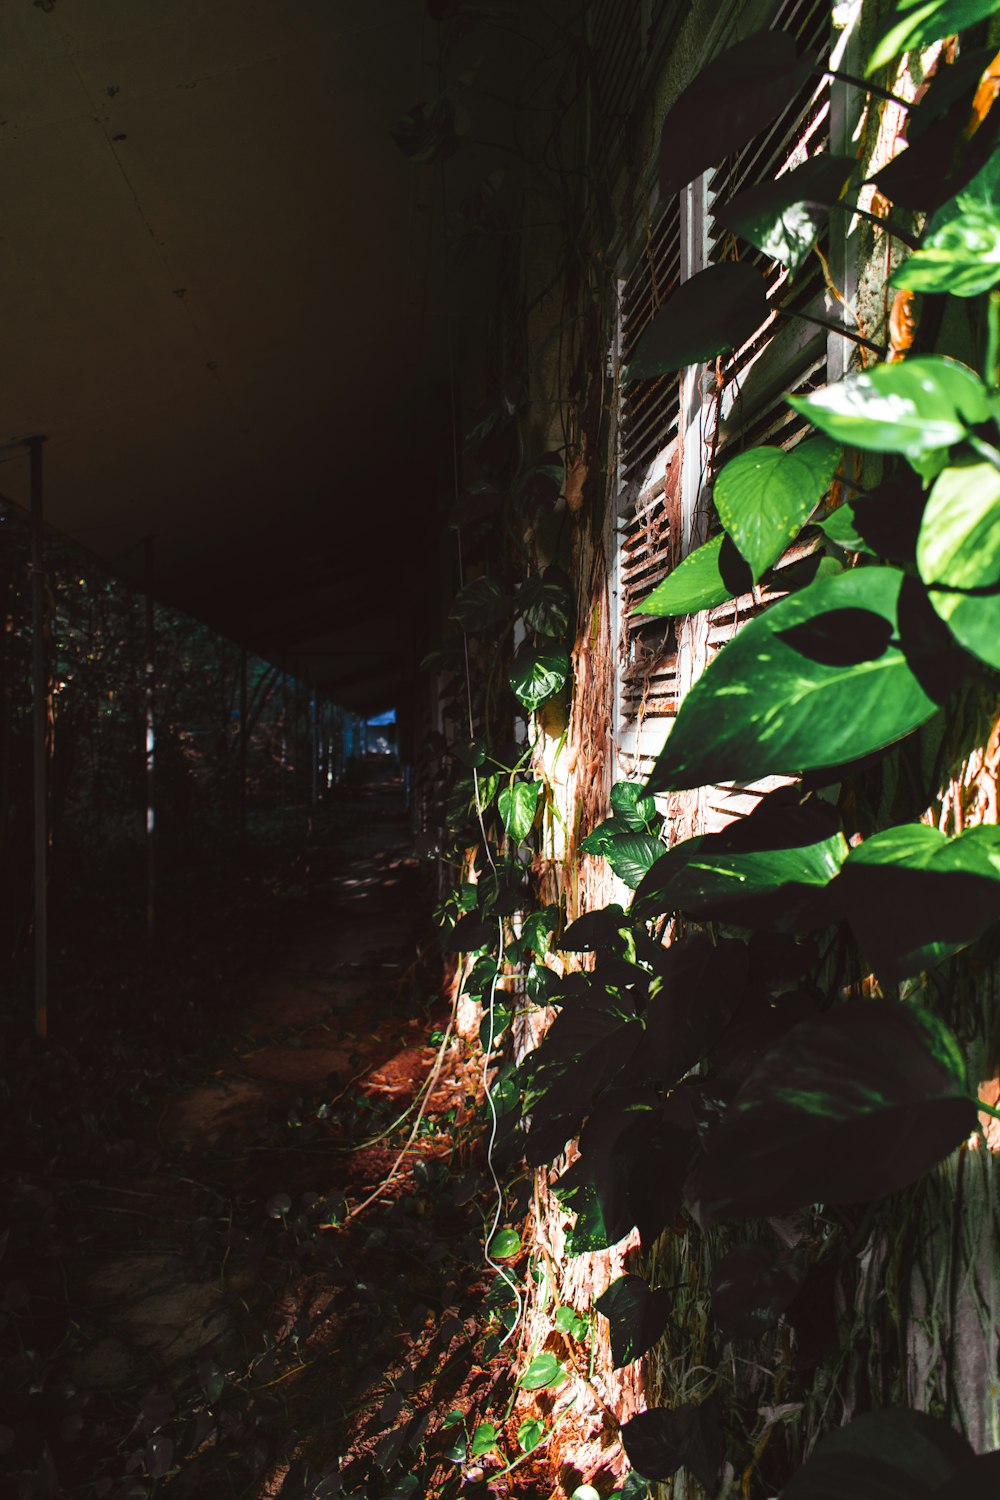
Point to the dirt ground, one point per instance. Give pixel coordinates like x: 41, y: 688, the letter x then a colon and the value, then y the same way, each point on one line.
x: 244, y: 1254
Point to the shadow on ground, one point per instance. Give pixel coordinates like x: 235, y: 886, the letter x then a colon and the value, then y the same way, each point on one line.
x: 191, y: 1302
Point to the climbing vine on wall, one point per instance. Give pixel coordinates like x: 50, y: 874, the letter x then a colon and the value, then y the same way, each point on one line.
x: 719, y: 1052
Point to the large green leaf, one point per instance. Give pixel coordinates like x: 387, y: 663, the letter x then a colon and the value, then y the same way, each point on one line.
x: 664, y: 1439
x: 850, y: 1106
x: 916, y: 407
x: 958, y: 555
x: 697, y: 986
x: 480, y: 604
x: 637, y: 1317
x: 536, y: 675
x: 817, y: 680
x: 765, y: 495
x: 913, y: 896
x: 883, y: 523
x: 893, y: 1454
x: 517, y: 805
x: 711, y: 574
x: 728, y: 103
x: 917, y: 22
x: 981, y: 194
x: 716, y: 310
x: 784, y: 217
x: 633, y: 806
x: 630, y: 855
x: 763, y: 871
x: 751, y: 1288
x: 962, y: 257
x: 545, y: 605
x: 940, y: 162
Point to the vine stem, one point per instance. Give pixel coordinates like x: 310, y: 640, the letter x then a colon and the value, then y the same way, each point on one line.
x: 865, y: 84
x: 855, y: 338
x: 987, y: 1109
x: 992, y: 340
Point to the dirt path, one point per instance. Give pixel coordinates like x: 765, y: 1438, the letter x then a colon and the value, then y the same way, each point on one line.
x: 193, y: 1308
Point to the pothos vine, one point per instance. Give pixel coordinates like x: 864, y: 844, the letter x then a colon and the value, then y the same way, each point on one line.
x: 794, y: 1057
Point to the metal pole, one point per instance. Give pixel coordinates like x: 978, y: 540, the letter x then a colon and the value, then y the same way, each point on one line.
x: 39, y: 704
x: 284, y: 738
x: 243, y: 743
x: 149, y: 684
x: 314, y: 758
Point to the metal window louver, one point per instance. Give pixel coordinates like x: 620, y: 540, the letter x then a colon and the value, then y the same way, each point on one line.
x: 780, y: 358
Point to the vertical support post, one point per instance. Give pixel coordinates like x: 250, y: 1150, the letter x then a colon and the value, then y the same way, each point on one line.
x: 39, y: 719
x: 284, y: 738
x: 314, y: 757
x: 149, y: 684
x: 243, y: 743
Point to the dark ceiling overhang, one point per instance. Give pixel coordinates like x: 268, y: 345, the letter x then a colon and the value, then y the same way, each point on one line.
x: 221, y: 284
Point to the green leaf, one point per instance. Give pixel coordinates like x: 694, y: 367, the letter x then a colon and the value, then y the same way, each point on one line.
x: 981, y: 194
x: 453, y: 1418
x: 714, y: 311
x: 585, y: 1492
x: 765, y: 496
x: 962, y: 257
x: 565, y: 1319
x: 633, y: 806
x: 537, y: 675
x: 817, y: 680
x: 634, y: 1488
x: 544, y: 1373
x: 841, y: 527
x: 913, y: 896
x: 545, y: 606
x: 958, y: 555
x: 431, y: 132
x: 631, y: 854
x: 530, y: 1434
x: 536, y: 928
x: 636, y: 1315
x: 517, y: 806
x: 763, y: 871
x: 484, y: 1440
x: 662, y: 1440
x: 590, y: 1231
x: 847, y: 1107
x: 917, y: 407
x: 915, y: 23
x: 730, y: 101
x: 784, y: 217
x: 599, y: 838
x: 940, y: 162
x: 751, y: 1288
x: 480, y: 604
x: 895, y: 1454
x: 472, y: 932
x: 711, y: 574
x: 493, y: 1025
x: 505, y: 1243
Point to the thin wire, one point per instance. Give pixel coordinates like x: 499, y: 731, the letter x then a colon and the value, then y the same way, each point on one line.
x: 491, y: 1003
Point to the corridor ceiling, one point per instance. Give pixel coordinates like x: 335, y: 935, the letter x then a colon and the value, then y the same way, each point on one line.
x: 220, y: 284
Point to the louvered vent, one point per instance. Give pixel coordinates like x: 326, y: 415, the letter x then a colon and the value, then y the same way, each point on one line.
x: 648, y: 413
x: 795, y: 359
x: 648, y: 416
